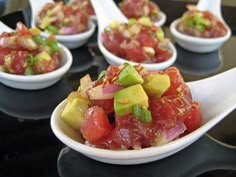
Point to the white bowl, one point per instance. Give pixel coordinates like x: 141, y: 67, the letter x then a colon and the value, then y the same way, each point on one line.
x: 197, y: 44
x: 70, y: 41
x: 75, y: 40
x: 40, y: 81
x: 113, y: 59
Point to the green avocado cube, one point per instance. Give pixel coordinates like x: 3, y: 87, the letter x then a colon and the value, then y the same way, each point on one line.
x: 125, y: 99
x: 156, y: 84
x: 73, y: 112
x: 129, y: 76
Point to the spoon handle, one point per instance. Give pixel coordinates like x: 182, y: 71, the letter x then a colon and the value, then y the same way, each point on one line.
x: 107, y: 11
x: 36, y: 6
x: 214, y: 6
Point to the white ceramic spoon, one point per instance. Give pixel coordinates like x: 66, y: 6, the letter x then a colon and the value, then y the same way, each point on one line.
x: 70, y: 41
x: 202, y: 45
x: 213, y: 6
x: 40, y: 81
x: 217, y: 96
x: 107, y: 11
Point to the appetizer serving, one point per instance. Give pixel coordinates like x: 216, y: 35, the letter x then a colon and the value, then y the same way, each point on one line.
x: 60, y: 19
x: 137, y: 40
x: 128, y: 107
x: 83, y: 4
x: 201, y: 24
x: 140, y: 8
x: 24, y: 52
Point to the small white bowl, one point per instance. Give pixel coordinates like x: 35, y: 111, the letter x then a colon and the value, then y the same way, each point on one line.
x: 70, y: 41
x: 40, y: 81
x: 197, y: 44
x: 113, y: 59
x: 75, y: 40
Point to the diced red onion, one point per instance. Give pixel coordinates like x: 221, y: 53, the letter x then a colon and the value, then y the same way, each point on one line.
x: 111, y: 88
x: 68, y: 30
x: 101, y: 93
x: 170, y: 134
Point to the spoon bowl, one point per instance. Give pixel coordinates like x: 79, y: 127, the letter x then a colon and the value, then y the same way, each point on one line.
x: 107, y: 11
x: 216, y: 103
x: 197, y: 44
x: 71, y: 41
x: 35, y: 82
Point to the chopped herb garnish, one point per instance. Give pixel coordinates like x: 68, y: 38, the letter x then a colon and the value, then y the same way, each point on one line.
x: 30, y: 59
x: 142, y: 114
x: 29, y: 71
x: 102, y: 74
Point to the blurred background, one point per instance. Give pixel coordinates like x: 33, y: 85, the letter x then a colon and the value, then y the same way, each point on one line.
x: 167, y: 6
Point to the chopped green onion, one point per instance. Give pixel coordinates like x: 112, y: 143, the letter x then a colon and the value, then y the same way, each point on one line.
x: 200, y: 27
x: 55, y: 47
x: 65, y: 22
x: 30, y: 60
x: 52, y: 29
x: 38, y: 39
x: 29, y: 71
x: 142, y: 114
x: 146, y: 115
x: 102, y: 74
x: 126, y: 64
x: 137, y: 111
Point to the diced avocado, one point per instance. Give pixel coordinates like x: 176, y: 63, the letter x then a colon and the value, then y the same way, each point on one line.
x: 85, y: 83
x: 131, y: 21
x: 35, y: 31
x: 43, y: 56
x: 135, y: 29
x: 129, y: 76
x: 114, y: 24
x: 45, y: 22
x: 73, y: 113
x: 126, y: 98
x: 156, y: 84
x: 160, y: 34
x: 145, y: 21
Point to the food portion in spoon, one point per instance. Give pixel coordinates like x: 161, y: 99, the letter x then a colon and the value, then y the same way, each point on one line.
x: 140, y: 8
x: 83, y: 4
x: 24, y: 52
x: 129, y: 107
x: 201, y: 24
x: 138, y: 40
x: 60, y: 19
